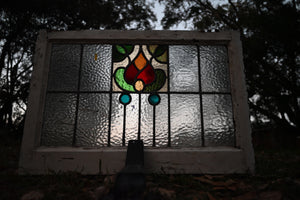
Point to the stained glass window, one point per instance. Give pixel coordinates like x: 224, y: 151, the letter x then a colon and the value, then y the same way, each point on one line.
x: 167, y: 95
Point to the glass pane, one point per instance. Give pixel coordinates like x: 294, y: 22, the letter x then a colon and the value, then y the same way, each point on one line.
x: 92, y: 124
x: 183, y: 69
x: 116, y: 129
x: 161, y: 121
x: 214, y: 69
x: 132, y: 116
x: 64, y: 67
x: 117, y: 115
x: 218, y: 120
x: 96, y: 68
x: 59, y: 120
x: 146, y: 121
x: 185, y: 120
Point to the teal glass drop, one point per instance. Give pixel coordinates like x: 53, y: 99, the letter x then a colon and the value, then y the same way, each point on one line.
x: 125, y: 99
x: 154, y: 99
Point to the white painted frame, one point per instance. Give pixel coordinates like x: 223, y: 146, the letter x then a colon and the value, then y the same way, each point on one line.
x: 110, y: 160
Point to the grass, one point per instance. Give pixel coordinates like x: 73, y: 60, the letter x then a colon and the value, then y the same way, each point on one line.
x: 277, y: 176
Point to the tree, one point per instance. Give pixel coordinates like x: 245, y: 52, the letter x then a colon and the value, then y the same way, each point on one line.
x: 20, y: 22
x: 270, y: 35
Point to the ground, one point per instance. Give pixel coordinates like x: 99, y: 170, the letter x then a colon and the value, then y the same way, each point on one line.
x: 277, y: 177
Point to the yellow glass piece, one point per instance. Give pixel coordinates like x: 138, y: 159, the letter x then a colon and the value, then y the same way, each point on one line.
x: 140, y: 61
x: 96, y: 57
x: 152, y: 48
x: 162, y: 58
x: 139, y: 85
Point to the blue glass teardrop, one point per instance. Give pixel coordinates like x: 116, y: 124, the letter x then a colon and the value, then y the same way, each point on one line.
x: 125, y: 99
x: 154, y: 99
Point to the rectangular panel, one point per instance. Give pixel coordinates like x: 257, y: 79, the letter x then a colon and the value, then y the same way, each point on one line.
x: 185, y: 120
x: 64, y: 67
x: 96, y: 68
x: 132, y: 116
x: 92, y: 122
x: 146, y: 121
x: 218, y: 120
x: 214, y: 69
x: 161, y: 121
x: 59, y: 120
x: 183, y: 68
x: 117, y: 117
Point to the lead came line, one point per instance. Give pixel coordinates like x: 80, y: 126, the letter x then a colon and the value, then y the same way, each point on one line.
x: 154, y: 125
x: 116, y: 92
x: 110, y: 98
x: 77, y: 97
x: 168, y: 92
x: 200, y: 95
x: 139, y: 124
x: 124, y: 126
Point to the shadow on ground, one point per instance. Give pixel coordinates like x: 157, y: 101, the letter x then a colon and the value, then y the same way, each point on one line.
x: 277, y: 177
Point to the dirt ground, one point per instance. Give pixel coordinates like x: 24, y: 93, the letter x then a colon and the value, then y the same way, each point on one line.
x: 277, y: 177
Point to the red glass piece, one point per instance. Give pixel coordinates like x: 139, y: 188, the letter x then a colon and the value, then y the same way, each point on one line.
x: 147, y: 75
x: 130, y: 74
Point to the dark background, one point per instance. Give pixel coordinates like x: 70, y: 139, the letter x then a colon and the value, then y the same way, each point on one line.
x: 270, y: 31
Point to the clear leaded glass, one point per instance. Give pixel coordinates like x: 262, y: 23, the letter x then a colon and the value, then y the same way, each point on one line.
x: 167, y: 95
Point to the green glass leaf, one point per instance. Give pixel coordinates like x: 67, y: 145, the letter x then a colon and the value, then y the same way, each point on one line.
x: 151, y: 48
x: 120, y: 52
x: 122, y: 84
x: 160, y: 50
x: 162, y: 58
x: 117, y: 56
x: 158, y: 83
x: 129, y: 48
x: 120, y: 49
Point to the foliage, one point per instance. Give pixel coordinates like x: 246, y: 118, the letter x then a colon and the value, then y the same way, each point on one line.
x: 270, y: 34
x: 20, y: 22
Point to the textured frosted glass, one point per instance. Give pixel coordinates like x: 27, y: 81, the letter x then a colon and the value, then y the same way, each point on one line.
x: 59, y: 120
x: 161, y: 121
x: 132, y: 116
x: 92, y: 124
x: 132, y: 110
x: 96, y: 68
x: 64, y: 67
x: 146, y: 121
x: 218, y: 121
x: 116, y: 129
x: 185, y: 120
x: 214, y: 69
x: 183, y: 69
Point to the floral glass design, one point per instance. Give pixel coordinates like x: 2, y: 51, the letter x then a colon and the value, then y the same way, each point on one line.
x: 140, y: 74
x: 139, y: 69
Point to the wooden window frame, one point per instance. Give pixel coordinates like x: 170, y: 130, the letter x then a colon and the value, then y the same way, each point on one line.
x: 35, y: 159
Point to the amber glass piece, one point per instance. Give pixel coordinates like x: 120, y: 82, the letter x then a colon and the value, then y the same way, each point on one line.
x: 139, y: 85
x: 140, y: 61
x: 147, y: 75
x: 130, y: 74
